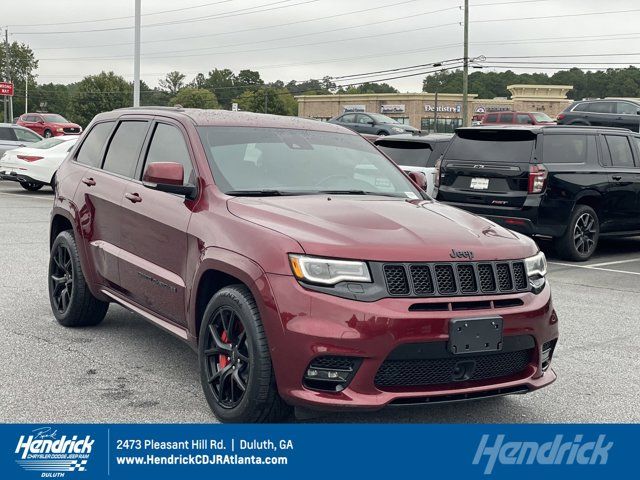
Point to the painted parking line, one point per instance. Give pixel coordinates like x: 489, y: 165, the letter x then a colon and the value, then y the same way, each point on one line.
x: 616, y: 262
x: 21, y: 195
x: 591, y: 267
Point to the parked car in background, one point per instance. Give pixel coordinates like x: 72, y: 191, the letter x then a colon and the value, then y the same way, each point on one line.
x: 477, y: 119
x: 372, y: 123
x: 608, y: 112
x: 416, y: 153
x: 573, y: 184
x: 518, y: 118
x: 13, y: 136
x: 297, y: 282
x: 35, y: 166
x: 49, y: 124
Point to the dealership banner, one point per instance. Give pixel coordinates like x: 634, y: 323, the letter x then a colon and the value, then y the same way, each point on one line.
x: 124, y: 451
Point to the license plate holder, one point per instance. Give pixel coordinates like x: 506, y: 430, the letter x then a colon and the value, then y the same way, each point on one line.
x: 475, y: 335
x: 478, y: 183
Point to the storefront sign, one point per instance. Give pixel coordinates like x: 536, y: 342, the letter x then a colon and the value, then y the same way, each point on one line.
x: 493, y: 108
x: 354, y: 108
x: 392, y: 109
x: 443, y: 108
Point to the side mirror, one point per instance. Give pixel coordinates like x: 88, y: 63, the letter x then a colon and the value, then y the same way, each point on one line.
x: 167, y: 177
x: 419, y: 178
x: 638, y: 112
x: 41, y: 121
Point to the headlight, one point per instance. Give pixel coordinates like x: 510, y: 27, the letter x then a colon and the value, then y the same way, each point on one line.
x: 397, y: 129
x: 59, y: 129
x: 536, y: 269
x: 328, y: 271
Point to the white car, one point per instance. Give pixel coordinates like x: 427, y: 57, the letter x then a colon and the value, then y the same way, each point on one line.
x: 415, y: 153
x: 34, y: 166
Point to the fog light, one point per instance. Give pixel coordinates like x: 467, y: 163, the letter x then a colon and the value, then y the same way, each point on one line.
x: 547, y: 354
x: 312, y: 373
x: 330, y: 373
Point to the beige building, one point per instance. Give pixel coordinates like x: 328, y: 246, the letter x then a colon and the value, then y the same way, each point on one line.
x: 419, y: 109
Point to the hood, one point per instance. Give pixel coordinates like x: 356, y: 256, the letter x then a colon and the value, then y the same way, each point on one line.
x: 381, y: 228
x: 64, y: 125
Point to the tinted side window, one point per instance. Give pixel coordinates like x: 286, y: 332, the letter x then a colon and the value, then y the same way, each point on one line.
x: 168, y: 145
x: 349, y: 118
x: 124, y: 149
x: 364, y: 119
x: 566, y: 148
x: 6, y: 133
x: 620, y: 151
x: 523, y: 118
x: 582, y: 107
x: 491, y: 118
x: 408, y: 154
x: 602, y: 107
x: 506, y: 118
x: 92, y: 146
x: 626, y: 108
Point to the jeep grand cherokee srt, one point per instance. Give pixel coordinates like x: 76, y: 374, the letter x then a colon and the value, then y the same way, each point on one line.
x: 303, y: 265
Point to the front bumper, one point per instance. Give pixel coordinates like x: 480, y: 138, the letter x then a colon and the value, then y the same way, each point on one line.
x: 307, y: 325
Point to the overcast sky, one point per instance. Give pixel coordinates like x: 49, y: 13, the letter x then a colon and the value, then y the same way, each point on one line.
x: 302, y: 39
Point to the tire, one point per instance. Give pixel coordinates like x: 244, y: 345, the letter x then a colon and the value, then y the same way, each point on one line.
x: 581, y: 238
x: 232, y: 316
x: 31, y: 186
x: 382, y: 133
x: 77, y: 307
x: 47, y: 134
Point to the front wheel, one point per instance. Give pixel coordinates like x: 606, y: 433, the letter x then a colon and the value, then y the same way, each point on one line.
x: 72, y: 302
x: 235, y: 364
x: 47, y: 134
x: 581, y: 238
x: 31, y: 186
x: 382, y: 133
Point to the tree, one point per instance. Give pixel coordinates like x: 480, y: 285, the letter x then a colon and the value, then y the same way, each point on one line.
x: 172, y: 83
x: 49, y: 97
x: 99, y: 93
x: 22, y: 63
x: 268, y: 100
x: 195, y: 98
x: 311, y: 87
x: 370, y: 88
x: 153, y: 96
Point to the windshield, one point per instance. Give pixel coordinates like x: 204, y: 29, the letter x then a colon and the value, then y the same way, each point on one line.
x: 54, y: 118
x: 491, y: 146
x: 407, y: 154
x: 275, y: 161
x: 382, y: 118
x: 542, y: 117
x: 48, y: 143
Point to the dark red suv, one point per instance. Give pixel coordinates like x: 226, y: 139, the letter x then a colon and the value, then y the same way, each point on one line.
x: 303, y: 265
x: 49, y: 124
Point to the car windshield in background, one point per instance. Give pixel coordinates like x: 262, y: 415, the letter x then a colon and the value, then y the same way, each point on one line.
x: 51, y: 118
x: 382, y: 118
x: 542, y: 117
x: 408, y: 154
x: 491, y: 146
x: 48, y: 143
x: 273, y: 161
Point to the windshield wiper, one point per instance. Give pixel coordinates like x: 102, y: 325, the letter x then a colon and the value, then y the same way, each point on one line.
x: 357, y: 192
x: 255, y: 193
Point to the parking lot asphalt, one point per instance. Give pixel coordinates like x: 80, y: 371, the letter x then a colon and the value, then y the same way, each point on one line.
x: 127, y: 370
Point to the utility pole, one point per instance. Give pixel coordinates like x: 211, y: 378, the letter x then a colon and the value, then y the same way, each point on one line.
x: 136, y: 57
x: 465, y: 70
x: 26, y: 92
x: 4, y: 97
x: 435, y: 111
x: 265, y: 101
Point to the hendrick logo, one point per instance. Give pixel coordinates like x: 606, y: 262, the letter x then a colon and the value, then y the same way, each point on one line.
x: 556, y: 452
x: 461, y: 254
x: 45, y: 451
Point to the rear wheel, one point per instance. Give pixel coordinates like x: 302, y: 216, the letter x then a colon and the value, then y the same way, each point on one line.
x: 31, y: 186
x: 72, y: 302
x: 382, y: 133
x: 235, y: 365
x: 581, y: 238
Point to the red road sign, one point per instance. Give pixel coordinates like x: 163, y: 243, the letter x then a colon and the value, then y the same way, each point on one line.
x: 6, y: 88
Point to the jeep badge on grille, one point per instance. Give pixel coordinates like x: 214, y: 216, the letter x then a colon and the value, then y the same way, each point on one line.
x: 461, y: 254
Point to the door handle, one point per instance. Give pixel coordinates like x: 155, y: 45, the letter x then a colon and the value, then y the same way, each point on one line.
x: 617, y: 178
x: 89, y: 182
x: 133, y: 197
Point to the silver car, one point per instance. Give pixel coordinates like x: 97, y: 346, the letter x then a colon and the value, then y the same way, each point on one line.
x: 15, y: 136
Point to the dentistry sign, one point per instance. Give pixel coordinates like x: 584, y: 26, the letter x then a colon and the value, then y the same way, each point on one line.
x: 443, y: 108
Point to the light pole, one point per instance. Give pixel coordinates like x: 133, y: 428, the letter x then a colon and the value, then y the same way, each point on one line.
x: 136, y: 57
x: 465, y: 69
x: 435, y: 101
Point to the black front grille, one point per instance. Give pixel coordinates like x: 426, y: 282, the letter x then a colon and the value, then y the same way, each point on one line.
x: 396, y: 279
x: 333, y: 363
x: 456, y: 278
x: 71, y: 130
x: 434, y: 371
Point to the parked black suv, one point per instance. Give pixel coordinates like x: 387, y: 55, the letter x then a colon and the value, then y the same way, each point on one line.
x: 574, y: 184
x: 608, y: 112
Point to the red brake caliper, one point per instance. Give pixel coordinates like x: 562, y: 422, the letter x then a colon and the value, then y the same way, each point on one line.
x: 224, y: 360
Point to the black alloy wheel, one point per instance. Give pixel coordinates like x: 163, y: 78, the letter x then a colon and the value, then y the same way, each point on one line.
x: 61, y: 278
x: 227, y: 357
x: 584, y: 233
x: 31, y: 186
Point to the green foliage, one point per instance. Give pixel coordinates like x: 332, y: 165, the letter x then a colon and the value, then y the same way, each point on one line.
x: 195, y: 98
x: 22, y: 62
x: 370, y: 88
x: 172, y: 82
x: 99, y: 93
x: 614, y: 82
x: 278, y: 101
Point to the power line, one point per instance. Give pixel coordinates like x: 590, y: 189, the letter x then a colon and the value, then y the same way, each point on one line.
x: 127, y: 17
x: 570, y: 55
x: 234, y: 13
x: 390, y: 70
x: 555, y: 16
